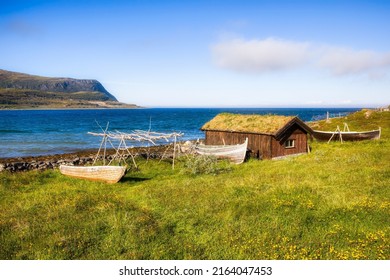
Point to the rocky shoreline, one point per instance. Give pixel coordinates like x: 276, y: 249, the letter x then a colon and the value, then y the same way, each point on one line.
x: 85, y: 157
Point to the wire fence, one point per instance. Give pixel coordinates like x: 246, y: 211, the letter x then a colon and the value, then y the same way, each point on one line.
x: 330, y: 115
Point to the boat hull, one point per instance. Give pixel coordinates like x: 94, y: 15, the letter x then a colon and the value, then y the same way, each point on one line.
x: 109, y: 174
x: 234, y: 153
x: 346, y: 135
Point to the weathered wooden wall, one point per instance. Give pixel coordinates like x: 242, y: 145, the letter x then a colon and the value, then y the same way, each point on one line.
x: 300, y: 139
x: 260, y: 145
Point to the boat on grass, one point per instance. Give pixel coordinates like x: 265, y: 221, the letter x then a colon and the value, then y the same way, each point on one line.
x: 234, y: 153
x: 109, y: 174
x: 346, y: 135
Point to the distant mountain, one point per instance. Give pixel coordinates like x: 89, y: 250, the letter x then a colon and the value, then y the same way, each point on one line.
x: 18, y: 90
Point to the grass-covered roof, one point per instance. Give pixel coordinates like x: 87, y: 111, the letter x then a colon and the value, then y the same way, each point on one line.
x: 264, y: 124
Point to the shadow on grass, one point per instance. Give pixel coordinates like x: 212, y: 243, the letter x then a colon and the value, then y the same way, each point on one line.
x: 134, y: 179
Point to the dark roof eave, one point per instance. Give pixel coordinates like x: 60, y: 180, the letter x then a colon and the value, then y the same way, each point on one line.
x: 295, y: 120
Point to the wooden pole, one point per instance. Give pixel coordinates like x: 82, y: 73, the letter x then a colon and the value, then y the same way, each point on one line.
x: 174, y: 152
x: 165, y: 152
x: 131, y: 155
x: 105, y: 147
x: 103, y: 141
x: 337, y: 129
x: 117, y: 151
x: 98, y: 153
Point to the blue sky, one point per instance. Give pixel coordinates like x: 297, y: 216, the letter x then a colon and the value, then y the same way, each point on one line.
x: 208, y: 53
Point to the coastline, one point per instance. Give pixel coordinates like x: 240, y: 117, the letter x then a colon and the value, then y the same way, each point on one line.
x: 73, y: 108
x: 81, y: 153
x: 82, y: 157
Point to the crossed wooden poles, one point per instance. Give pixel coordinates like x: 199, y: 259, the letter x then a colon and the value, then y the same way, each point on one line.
x: 150, y: 137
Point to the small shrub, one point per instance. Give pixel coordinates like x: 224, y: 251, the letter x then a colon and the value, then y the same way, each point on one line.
x: 202, y: 164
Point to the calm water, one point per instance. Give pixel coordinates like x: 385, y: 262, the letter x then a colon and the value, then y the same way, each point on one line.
x: 43, y: 132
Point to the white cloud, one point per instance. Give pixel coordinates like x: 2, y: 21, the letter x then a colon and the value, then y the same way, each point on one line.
x: 271, y: 54
x: 260, y: 55
x: 342, y: 61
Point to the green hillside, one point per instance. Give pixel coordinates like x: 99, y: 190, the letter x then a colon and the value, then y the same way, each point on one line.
x: 363, y: 120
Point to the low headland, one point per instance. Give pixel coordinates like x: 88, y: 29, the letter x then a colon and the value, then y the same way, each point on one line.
x: 332, y: 203
x: 24, y: 91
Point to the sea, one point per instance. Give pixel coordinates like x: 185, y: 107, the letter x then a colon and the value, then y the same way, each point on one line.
x: 46, y: 132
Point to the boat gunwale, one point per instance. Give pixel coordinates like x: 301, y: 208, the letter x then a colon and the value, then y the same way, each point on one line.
x: 218, y: 151
x: 346, y: 132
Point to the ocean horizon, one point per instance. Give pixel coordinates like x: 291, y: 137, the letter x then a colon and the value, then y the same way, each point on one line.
x: 56, y: 131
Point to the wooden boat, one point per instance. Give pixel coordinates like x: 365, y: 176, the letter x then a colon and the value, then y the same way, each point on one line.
x: 109, y: 174
x: 235, y: 153
x: 346, y: 135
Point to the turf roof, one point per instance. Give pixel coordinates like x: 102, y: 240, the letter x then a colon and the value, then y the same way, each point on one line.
x: 265, y: 124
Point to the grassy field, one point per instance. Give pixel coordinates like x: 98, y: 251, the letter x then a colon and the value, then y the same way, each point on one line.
x: 333, y: 203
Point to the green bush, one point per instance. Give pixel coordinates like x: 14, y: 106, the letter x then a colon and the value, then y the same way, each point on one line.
x: 202, y: 164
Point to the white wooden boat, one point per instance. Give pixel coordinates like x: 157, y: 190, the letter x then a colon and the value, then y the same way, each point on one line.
x: 109, y: 174
x: 235, y: 153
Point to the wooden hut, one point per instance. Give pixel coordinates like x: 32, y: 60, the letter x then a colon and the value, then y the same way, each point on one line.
x: 269, y: 136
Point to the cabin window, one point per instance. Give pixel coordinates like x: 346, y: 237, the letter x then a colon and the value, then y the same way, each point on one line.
x: 289, y: 143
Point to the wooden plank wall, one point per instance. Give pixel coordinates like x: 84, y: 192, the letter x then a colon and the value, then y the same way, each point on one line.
x: 260, y: 146
x: 300, y: 139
